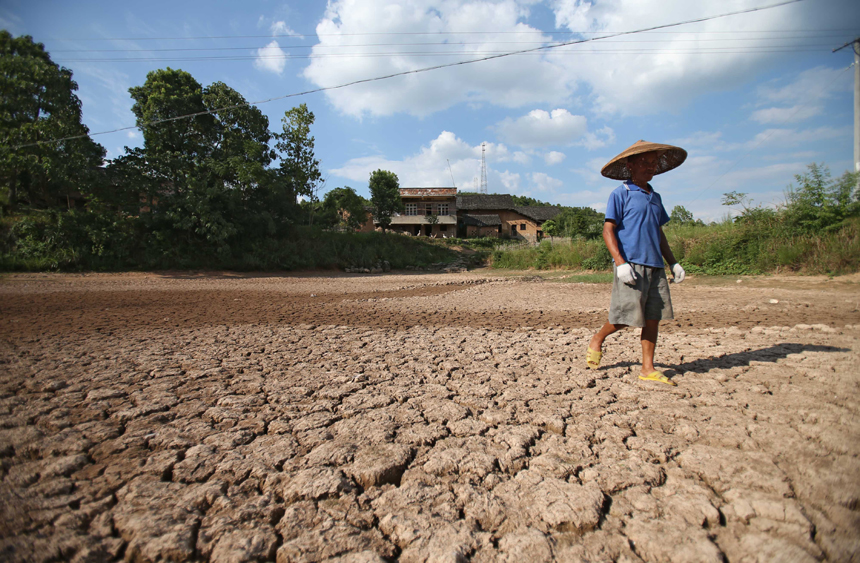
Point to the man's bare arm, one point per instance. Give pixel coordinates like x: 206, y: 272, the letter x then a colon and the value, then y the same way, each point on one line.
x: 664, y: 248
x: 612, y: 242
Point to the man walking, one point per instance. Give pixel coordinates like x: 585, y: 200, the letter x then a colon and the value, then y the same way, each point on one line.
x: 633, y: 232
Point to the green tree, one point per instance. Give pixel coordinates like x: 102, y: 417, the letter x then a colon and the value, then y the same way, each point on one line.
x: 819, y: 203
x: 207, y: 175
x: 299, y: 169
x: 173, y: 148
x: 582, y: 222
x: 343, y: 208
x: 551, y: 229
x: 38, y: 103
x: 680, y: 215
x: 385, y: 196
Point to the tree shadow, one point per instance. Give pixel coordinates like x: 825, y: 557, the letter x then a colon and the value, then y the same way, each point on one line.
x: 737, y: 359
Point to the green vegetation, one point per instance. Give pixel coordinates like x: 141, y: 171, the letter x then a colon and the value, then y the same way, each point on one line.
x: 817, y: 231
x: 216, y: 190
x: 385, y: 196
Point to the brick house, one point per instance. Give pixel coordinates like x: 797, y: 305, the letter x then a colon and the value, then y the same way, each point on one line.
x: 495, y: 215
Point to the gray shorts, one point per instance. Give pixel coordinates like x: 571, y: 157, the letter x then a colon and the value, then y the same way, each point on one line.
x: 649, y: 299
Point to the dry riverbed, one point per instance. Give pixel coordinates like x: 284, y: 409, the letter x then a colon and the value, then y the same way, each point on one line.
x: 423, y: 417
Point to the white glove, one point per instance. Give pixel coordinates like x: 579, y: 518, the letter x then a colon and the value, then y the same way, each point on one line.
x: 625, y: 274
x: 678, y: 272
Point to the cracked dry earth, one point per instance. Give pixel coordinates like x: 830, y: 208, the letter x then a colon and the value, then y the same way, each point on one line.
x: 415, y: 418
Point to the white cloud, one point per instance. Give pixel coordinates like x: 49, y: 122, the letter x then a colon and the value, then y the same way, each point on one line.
x: 781, y: 116
x: 807, y: 92
x: 544, y: 183
x: 511, y: 181
x: 632, y: 75
x: 508, y: 82
x: 792, y: 137
x: 540, y: 128
x: 522, y: 158
x: 271, y: 58
x: 598, y: 139
x: 554, y: 157
x: 281, y: 28
x: 133, y: 134
x: 429, y: 167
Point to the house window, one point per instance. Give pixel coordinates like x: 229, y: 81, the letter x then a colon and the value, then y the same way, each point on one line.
x: 428, y: 209
x: 443, y: 227
x: 522, y: 226
x: 412, y: 209
x: 442, y: 209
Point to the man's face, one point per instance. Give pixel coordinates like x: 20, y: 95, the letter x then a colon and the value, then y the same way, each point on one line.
x: 643, y: 166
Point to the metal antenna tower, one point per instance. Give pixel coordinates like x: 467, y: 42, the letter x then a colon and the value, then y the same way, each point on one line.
x: 483, y: 188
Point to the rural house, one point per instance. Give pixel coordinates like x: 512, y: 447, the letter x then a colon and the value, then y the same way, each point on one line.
x: 427, y: 212
x: 441, y: 212
x: 496, y: 215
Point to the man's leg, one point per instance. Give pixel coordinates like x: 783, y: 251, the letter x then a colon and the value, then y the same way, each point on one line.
x: 649, y: 344
x: 607, y: 329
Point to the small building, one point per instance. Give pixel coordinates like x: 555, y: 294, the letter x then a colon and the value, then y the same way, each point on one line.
x: 427, y: 212
x: 496, y: 215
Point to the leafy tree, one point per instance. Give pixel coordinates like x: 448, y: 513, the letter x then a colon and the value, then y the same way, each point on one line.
x: 819, y: 203
x: 385, y: 196
x: 344, y: 209
x: 299, y: 169
x: 552, y: 229
x: 680, y: 215
x: 206, y: 175
x: 582, y: 222
x: 751, y: 213
x: 39, y: 103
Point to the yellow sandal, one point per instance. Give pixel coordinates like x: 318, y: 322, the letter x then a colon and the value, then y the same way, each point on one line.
x: 657, y: 376
x: 592, y: 358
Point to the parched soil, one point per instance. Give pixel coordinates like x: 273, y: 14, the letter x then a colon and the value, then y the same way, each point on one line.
x: 423, y: 417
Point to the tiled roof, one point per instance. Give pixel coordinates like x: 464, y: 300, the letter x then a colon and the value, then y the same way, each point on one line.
x: 539, y: 213
x: 482, y: 220
x: 428, y: 192
x: 485, y: 201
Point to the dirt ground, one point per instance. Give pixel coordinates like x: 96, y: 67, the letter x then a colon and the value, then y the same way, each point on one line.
x: 423, y: 417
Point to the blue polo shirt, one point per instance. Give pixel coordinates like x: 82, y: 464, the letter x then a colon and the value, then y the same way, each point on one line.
x: 638, y: 217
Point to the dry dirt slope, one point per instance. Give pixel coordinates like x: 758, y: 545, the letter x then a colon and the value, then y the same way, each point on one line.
x: 422, y: 418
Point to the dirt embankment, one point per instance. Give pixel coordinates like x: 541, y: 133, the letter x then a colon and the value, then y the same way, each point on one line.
x: 419, y: 417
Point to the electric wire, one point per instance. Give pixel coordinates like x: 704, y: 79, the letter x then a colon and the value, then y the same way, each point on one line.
x: 372, y: 33
x: 423, y: 43
x: 408, y: 72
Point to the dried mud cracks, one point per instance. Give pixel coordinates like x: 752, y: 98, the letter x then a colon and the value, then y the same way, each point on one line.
x: 379, y: 438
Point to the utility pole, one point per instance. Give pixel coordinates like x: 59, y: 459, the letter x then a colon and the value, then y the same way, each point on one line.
x: 856, y: 48
x: 483, y: 188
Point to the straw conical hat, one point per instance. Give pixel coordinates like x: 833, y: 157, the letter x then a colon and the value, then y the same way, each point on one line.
x: 672, y: 157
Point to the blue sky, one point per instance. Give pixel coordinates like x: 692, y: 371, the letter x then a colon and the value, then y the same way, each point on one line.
x: 753, y: 98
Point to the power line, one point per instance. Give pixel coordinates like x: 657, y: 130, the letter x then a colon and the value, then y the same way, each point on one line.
x: 414, y: 71
x: 423, y: 43
x: 653, y: 52
x: 375, y: 33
